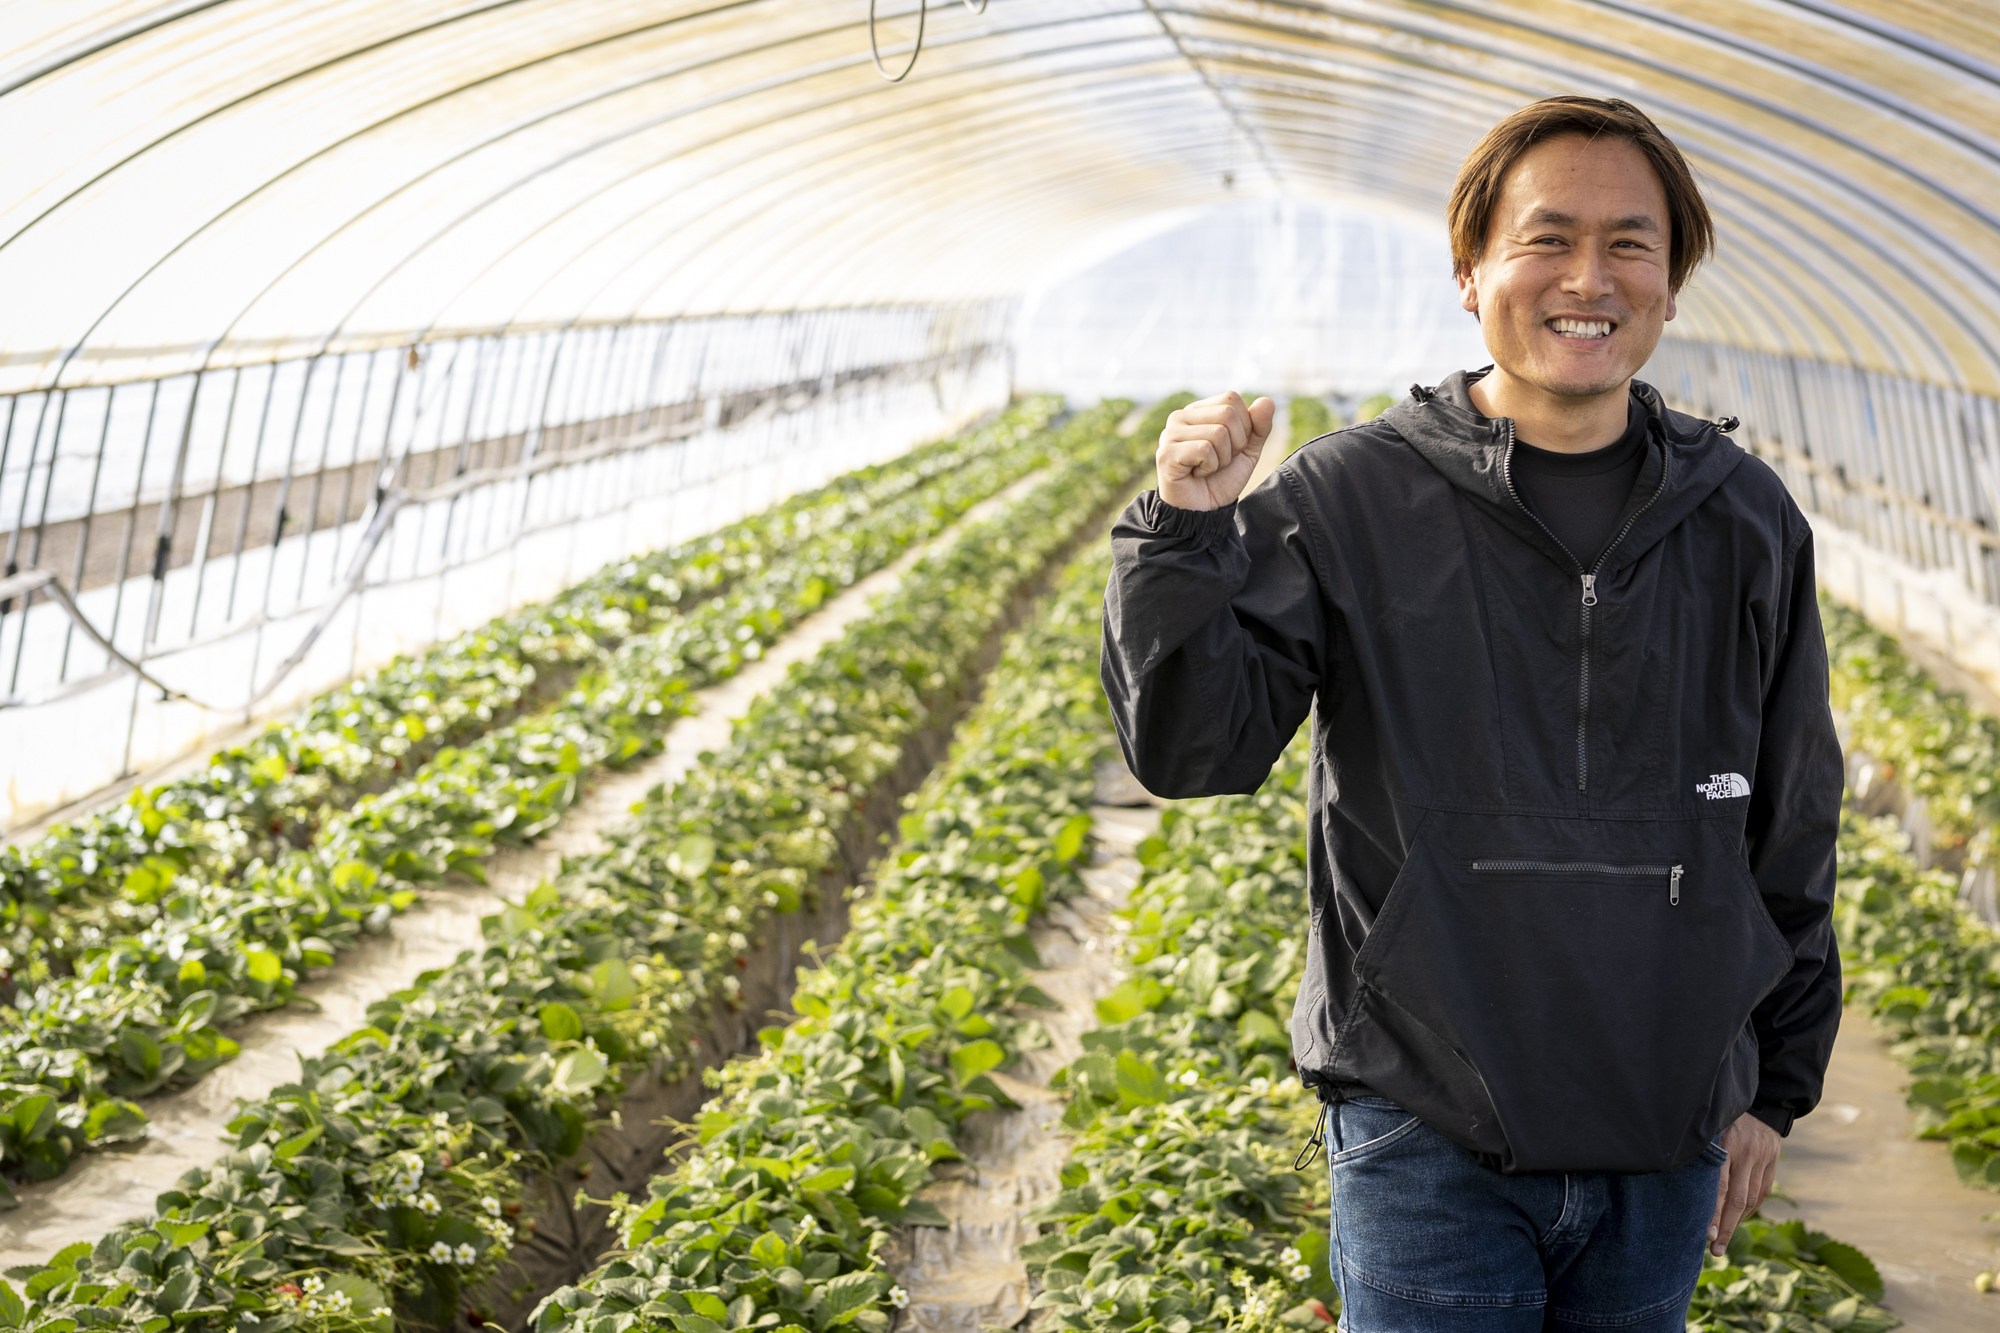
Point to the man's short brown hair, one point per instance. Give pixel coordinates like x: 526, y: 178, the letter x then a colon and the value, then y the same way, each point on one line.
x: 1477, y: 191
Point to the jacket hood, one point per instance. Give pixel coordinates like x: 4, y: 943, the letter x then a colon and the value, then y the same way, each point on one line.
x: 1687, y: 460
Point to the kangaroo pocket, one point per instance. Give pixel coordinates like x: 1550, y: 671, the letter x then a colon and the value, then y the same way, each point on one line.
x: 1591, y: 974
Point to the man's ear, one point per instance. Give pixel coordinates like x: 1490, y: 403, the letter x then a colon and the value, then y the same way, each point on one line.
x: 1468, y: 291
x: 1672, y: 307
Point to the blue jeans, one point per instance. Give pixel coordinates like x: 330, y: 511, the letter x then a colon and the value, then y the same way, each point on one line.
x: 1426, y: 1240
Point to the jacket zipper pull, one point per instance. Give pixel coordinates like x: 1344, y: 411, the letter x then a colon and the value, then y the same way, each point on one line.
x: 1674, y: 887
x: 1590, y: 590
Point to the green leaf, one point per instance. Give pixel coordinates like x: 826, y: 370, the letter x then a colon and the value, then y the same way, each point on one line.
x: 1069, y: 842
x: 579, y: 1071
x: 847, y: 1295
x: 178, y: 1292
x: 611, y: 984
x: 12, y: 1309
x: 139, y: 1051
x: 114, y: 1121
x: 1132, y: 997
x: 180, y: 1234
x: 1257, y: 1028
x: 832, y: 1178
x: 265, y: 966
x: 1139, y: 1084
x: 561, y: 1023
x: 769, y: 1251
x: 1030, y: 889
x: 296, y: 1144
x: 692, y: 856
x: 193, y: 973
x: 349, y: 874
x: 34, y: 1116
x: 707, y: 1305
x: 975, y: 1058
x: 1853, y: 1266
x: 956, y: 1002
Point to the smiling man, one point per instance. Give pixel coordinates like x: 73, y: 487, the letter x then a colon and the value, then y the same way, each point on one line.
x: 1575, y: 783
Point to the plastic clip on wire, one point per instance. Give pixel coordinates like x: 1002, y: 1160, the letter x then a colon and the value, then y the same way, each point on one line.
x: 875, y: 49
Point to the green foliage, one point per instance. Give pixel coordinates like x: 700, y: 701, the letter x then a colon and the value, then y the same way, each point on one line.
x: 1310, y: 419
x: 1373, y: 407
x: 1781, y: 1278
x: 1182, y: 1209
x: 457, y: 1093
x: 158, y: 977
x: 1927, y: 969
x: 819, y: 1144
x: 1931, y: 742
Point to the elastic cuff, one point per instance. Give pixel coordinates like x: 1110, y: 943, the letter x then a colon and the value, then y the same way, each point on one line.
x: 1777, y: 1117
x: 1204, y: 526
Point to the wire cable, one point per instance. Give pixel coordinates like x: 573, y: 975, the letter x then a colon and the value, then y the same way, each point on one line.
x: 875, y: 49
x: 923, y: 9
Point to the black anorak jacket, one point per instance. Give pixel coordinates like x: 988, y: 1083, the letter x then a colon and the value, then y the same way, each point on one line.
x: 1572, y: 830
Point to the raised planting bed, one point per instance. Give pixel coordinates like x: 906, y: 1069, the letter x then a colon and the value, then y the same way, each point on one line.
x: 1916, y: 956
x: 391, y: 1172
x: 174, y: 959
x: 812, y: 1157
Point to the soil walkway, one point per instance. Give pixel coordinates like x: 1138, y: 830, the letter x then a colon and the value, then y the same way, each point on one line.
x: 1857, y: 1174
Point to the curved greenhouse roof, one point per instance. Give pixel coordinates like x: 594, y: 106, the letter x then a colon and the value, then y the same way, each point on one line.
x: 215, y: 182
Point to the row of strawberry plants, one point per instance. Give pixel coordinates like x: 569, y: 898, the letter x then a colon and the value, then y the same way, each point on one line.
x: 814, y: 1151
x: 275, y: 792
x: 389, y: 1175
x: 1183, y: 1210
x: 1925, y: 966
x: 1180, y: 1208
x: 148, y: 1006
x: 1934, y: 744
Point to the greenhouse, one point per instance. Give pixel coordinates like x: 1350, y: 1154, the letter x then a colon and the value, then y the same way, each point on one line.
x: 569, y: 764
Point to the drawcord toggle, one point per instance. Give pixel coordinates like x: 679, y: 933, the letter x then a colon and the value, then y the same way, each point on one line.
x: 1313, y: 1144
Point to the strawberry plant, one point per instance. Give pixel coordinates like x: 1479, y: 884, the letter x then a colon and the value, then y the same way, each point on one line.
x: 106, y: 874
x: 391, y: 1169
x: 148, y: 1004
x: 816, y: 1148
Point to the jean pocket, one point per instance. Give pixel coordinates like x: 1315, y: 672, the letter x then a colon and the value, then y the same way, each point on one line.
x: 1372, y: 1124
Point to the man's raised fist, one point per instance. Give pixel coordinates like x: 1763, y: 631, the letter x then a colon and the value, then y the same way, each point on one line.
x: 1210, y: 448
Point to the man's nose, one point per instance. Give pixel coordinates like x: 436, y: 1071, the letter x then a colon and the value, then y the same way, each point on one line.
x: 1588, y: 274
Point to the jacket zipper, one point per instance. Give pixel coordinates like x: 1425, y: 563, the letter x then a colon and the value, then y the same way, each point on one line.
x: 1673, y: 873
x: 1589, y: 577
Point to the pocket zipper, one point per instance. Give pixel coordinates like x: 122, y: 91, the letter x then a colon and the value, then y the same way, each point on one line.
x: 1673, y: 873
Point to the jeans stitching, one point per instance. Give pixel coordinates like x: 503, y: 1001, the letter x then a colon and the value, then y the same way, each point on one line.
x: 1380, y: 1140
x: 1561, y: 1217
x: 1630, y: 1317
x: 1467, y: 1300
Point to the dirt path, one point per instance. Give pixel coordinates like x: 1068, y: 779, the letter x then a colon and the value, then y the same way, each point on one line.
x: 1859, y: 1176
x: 969, y: 1275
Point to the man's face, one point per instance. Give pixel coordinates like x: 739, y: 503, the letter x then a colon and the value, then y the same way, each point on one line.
x: 1572, y: 292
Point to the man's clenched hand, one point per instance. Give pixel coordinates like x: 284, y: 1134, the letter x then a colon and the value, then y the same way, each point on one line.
x: 1747, y: 1177
x: 1210, y: 448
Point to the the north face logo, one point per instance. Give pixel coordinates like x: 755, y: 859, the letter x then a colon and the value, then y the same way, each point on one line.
x: 1722, y: 786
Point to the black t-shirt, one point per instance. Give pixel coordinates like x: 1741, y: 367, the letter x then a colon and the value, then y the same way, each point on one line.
x: 1581, y: 496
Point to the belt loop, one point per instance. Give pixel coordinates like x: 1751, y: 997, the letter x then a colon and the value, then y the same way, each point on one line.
x: 1313, y: 1144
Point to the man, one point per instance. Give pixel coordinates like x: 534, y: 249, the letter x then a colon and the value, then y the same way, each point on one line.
x: 1574, y: 782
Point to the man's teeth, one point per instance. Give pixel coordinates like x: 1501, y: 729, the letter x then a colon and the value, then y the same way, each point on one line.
x: 1582, y: 328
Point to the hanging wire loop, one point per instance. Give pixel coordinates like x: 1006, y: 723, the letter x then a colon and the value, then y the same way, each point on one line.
x: 875, y: 49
